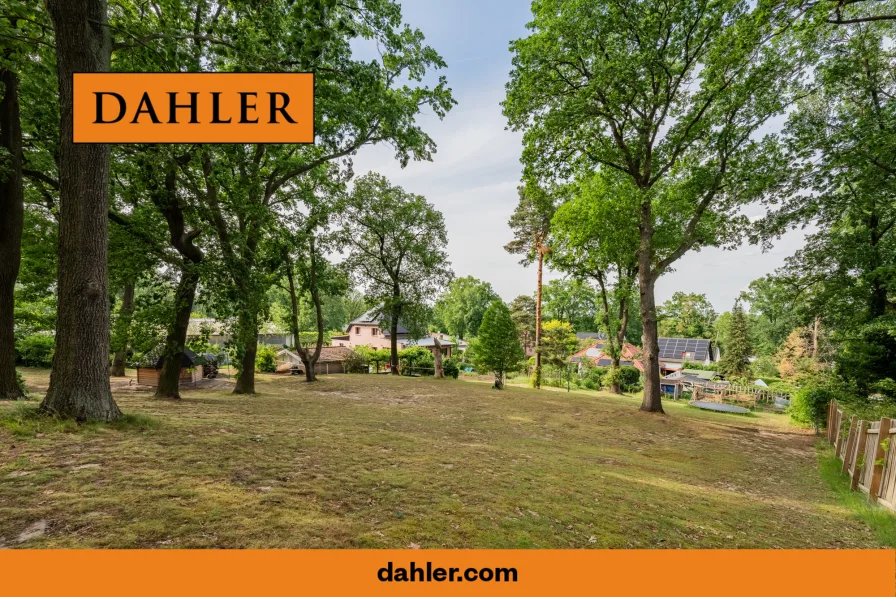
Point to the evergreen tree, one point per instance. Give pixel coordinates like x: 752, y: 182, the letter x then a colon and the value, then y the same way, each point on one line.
x: 736, y: 360
x: 497, y: 349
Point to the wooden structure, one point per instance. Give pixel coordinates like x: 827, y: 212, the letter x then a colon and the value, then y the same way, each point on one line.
x: 192, y: 369
x: 864, y: 449
x: 332, y: 359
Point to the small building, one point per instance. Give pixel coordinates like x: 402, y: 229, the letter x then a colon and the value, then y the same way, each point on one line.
x: 674, y: 352
x: 332, y: 360
x: 192, y: 367
x: 372, y: 329
x: 598, y: 358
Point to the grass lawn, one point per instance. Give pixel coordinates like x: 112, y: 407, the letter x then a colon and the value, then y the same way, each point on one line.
x: 359, y: 461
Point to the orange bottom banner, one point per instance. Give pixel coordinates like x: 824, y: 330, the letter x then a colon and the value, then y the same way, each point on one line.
x: 172, y: 573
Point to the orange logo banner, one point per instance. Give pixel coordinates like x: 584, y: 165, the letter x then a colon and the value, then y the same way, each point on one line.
x: 193, y: 108
x: 666, y: 573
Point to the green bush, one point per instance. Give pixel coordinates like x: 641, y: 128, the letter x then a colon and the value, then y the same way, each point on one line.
x: 266, y: 359
x: 589, y: 384
x: 596, y: 376
x: 629, y: 379
x: 35, y: 350
x: 809, y: 405
x: 450, y: 367
x: 21, y: 383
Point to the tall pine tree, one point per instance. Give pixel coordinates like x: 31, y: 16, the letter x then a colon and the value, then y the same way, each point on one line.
x: 736, y: 360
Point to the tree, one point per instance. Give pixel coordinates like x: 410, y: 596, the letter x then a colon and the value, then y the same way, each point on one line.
x: 686, y: 315
x: 396, y: 245
x: 669, y: 96
x: 738, y: 347
x: 522, y: 311
x: 531, y: 224
x: 570, y: 300
x: 461, y: 308
x: 497, y: 348
x: 594, y: 236
x: 558, y: 343
x: 79, y: 383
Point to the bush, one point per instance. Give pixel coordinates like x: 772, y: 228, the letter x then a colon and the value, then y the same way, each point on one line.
x: 450, y: 367
x: 809, y: 405
x: 35, y: 350
x: 629, y: 379
x: 21, y: 383
x: 596, y: 376
x: 589, y: 384
x: 266, y: 359
x: 357, y: 361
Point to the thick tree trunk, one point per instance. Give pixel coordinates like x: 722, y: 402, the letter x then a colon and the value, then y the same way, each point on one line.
x: 536, y: 379
x: 437, y: 364
x: 649, y: 341
x: 11, y: 215
x: 79, y: 382
x: 123, y: 331
x: 248, y: 336
x: 169, y: 376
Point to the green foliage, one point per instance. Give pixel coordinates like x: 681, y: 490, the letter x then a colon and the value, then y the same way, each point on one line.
x: 629, y: 379
x: 20, y: 381
x: 570, y: 300
x: 497, y: 348
x: 558, y: 343
x: 266, y: 358
x: 451, y: 368
x: 416, y: 359
x: 24, y: 420
x: 35, y: 350
x: 522, y: 311
x: 459, y: 311
x: 686, y: 315
x: 809, y: 405
x: 867, y: 358
x: 738, y: 348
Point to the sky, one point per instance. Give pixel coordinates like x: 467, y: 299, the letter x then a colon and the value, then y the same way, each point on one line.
x: 474, y: 175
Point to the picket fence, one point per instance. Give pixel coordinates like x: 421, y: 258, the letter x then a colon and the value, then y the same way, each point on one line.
x: 864, y: 451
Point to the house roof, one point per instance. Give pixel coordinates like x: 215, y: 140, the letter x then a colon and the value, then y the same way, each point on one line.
x: 328, y: 354
x: 375, y: 317
x: 428, y: 341
x: 156, y: 358
x: 595, y: 354
x: 684, y: 349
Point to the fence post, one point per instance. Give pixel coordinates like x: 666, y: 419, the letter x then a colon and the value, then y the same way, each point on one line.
x: 860, y: 452
x: 850, y: 442
x: 879, y: 455
x: 832, y: 408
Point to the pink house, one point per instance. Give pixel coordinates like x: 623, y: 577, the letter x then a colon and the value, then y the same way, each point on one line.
x: 368, y: 330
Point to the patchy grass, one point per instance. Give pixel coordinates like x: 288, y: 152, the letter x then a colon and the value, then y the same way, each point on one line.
x: 880, y: 520
x: 24, y: 420
x: 358, y: 461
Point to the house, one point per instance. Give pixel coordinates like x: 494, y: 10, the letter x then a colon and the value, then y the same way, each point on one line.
x: 192, y: 367
x: 673, y: 352
x: 332, y: 359
x: 598, y: 336
x: 596, y: 355
x: 688, y: 379
x: 218, y: 336
x: 368, y: 330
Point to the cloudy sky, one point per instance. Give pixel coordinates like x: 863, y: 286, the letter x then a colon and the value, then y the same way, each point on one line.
x: 473, y: 177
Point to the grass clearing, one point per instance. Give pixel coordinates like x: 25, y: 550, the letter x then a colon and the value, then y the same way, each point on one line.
x: 365, y: 461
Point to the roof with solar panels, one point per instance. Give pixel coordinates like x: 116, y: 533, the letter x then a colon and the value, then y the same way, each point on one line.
x: 686, y: 349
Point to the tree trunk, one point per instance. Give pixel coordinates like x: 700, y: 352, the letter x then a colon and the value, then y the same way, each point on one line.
x: 649, y: 340
x: 536, y: 379
x: 11, y: 216
x: 79, y: 382
x: 169, y: 376
x: 815, y: 329
x: 393, y: 331
x: 248, y: 337
x: 437, y: 361
x: 123, y: 329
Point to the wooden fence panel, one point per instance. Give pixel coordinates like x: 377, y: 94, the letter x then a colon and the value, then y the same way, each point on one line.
x: 879, y: 459
x: 858, y: 457
x: 887, y: 493
x: 871, y: 436
x: 850, y: 444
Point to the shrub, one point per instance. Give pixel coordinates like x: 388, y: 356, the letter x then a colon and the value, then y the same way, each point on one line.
x: 630, y: 379
x: 266, y: 359
x: 21, y: 383
x: 36, y: 350
x: 450, y: 367
x: 589, y: 384
x: 809, y: 405
x: 596, y: 376
x: 357, y: 361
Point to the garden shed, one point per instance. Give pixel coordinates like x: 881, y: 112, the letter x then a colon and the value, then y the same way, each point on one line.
x: 192, y: 367
x: 332, y: 359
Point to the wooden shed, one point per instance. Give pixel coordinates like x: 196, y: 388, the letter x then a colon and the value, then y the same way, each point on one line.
x: 332, y: 360
x: 192, y: 368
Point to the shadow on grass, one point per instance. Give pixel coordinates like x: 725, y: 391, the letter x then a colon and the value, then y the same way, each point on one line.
x: 880, y: 520
x: 24, y: 420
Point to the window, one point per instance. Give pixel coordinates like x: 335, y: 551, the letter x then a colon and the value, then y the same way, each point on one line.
x: 375, y: 331
x: 357, y: 330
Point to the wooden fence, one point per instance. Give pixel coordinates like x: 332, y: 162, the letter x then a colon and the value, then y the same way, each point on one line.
x: 863, y: 447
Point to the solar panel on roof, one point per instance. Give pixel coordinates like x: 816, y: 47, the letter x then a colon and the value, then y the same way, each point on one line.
x: 694, y: 349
